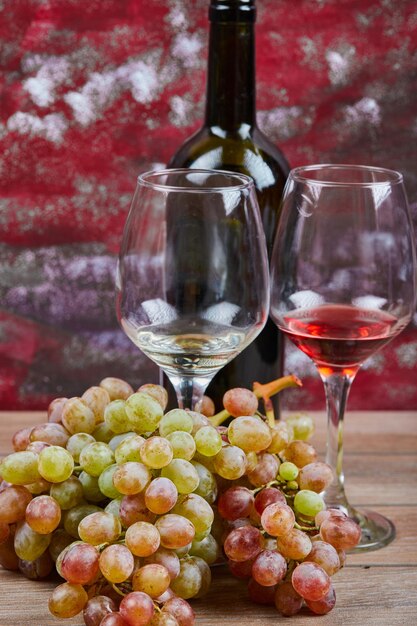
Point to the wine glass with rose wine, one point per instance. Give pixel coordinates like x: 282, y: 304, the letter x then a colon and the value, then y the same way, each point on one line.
x: 342, y: 286
x: 192, y: 280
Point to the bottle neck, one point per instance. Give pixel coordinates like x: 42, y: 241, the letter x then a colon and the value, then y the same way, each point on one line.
x: 231, y: 95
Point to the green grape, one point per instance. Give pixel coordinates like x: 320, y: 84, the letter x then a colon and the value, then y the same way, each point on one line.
x: 131, y: 478
x: 282, y: 434
x: 73, y: 517
x: 153, y: 579
x: 288, y: 471
x: 67, y: 600
x: 77, y: 442
x: 157, y: 392
x: 230, y: 462
x: 105, y: 482
x: 208, y: 441
x: 97, y: 398
x: 28, y: 544
x: 99, y: 527
x: 116, y: 563
x: 103, y: 433
x: 68, y: 493
x: 183, y: 445
x: 308, y: 503
x: 142, y: 539
x: 249, y: 433
x: 91, y: 488
x: 197, y: 510
x: 144, y: 412
x: 156, y: 452
x: 20, y: 468
x: 129, y: 449
x: 117, y: 388
x: 183, y: 474
x: 175, y: 531
x: 176, y: 419
x: 77, y: 417
x: 113, y: 507
x: 55, y: 464
x: 188, y: 582
x: 95, y: 457
x: 207, y: 549
x: 303, y: 426
x: 205, y: 572
x: 207, y: 487
x: 116, y: 418
x: 116, y: 440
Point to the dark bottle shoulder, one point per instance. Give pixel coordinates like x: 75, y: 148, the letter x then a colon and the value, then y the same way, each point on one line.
x: 248, y: 151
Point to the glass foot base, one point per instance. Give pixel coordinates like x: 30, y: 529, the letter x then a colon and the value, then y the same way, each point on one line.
x: 377, y: 530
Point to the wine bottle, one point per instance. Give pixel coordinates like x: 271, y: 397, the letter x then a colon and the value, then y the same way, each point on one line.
x: 231, y: 140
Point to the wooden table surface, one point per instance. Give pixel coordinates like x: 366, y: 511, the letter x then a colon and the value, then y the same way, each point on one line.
x: 377, y: 588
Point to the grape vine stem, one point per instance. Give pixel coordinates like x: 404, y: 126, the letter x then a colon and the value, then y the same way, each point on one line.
x: 263, y: 392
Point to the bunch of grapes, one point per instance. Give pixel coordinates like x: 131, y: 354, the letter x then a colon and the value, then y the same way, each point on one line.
x: 131, y: 505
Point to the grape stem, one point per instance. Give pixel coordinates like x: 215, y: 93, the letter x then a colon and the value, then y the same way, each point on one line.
x: 305, y: 528
x: 117, y: 590
x: 263, y: 392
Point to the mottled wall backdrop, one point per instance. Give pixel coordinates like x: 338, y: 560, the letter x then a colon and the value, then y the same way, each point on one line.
x: 95, y: 91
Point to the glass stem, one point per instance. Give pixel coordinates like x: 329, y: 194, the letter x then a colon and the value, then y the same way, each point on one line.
x: 337, y: 386
x: 189, y: 389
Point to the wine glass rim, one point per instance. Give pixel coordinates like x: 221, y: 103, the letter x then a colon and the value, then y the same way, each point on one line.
x: 301, y: 174
x: 145, y: 179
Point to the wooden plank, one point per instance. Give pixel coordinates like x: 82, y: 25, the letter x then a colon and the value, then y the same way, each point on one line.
x: 379, y: 432
x: 368, y: 597
x: 403, y: 550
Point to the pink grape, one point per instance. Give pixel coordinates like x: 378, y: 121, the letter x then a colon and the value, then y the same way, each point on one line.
x: 295, y: 544
x: 300, y: 453
x: 269, y: 568
x: 241, y: 569
x: 325, y: 555
x: 325, y: 605
x: 315, y: 476
x: 325, y: 514
x: 341, y: 533
x: 161, y: 495
x: 54, y: 411
x: 99, y: 528
x: 265, y: 470
x: 243, y: 543
x: 13, y: 503
x: 240, y: 401
x: 310, y: 581
x: 133, y: 509
x: 113, y: 619
x: 267, y: 496
x: 137, y: 608
x: 278, y: 519
x: 39, y: 568
x: 260, y: 594
x: 80, y: 564
x: 206, y: 406
x: 181, y: 610
x: 168, y: 558
x: 287, y: 600
x: 97, y: 608
x: 235, y: 503
x: 43, y: 514
x: 131, y: 478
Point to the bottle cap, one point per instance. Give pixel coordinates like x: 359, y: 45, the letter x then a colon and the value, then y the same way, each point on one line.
x: 232, y: 11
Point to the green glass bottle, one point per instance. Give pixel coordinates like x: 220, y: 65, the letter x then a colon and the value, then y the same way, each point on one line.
x: 231, y: 140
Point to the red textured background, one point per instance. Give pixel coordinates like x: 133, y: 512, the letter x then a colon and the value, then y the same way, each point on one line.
x: 92, y: 93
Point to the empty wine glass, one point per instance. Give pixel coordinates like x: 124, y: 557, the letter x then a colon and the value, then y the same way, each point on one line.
x: 343, y: 285
x: 192, y: 280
